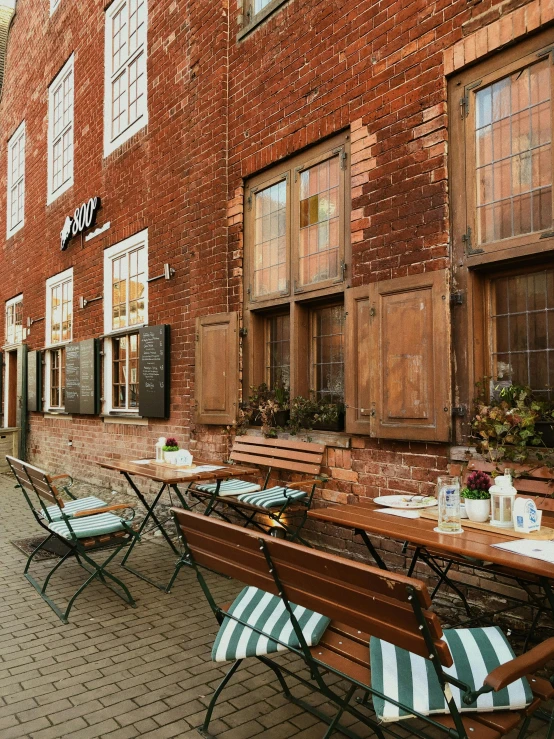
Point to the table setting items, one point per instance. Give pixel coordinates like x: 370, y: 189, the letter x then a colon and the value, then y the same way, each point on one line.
x: 448, y: 495
x: 168, y: 452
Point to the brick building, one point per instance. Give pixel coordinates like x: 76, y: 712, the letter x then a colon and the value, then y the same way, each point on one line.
x: 321, y: 177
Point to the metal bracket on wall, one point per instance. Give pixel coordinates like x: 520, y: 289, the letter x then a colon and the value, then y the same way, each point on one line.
x: 167, y: 274
x: 83, y: 302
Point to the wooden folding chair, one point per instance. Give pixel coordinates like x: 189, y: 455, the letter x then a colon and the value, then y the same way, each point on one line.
x: 83, y: 532
x: 413, y: 679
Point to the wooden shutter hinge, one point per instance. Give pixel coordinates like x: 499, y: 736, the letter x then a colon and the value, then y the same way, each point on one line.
x: 343, y: 159
x: 466, y: 239
x: 457, y: 298
x: 547, y: 234
x: 249, y: 201
x: 459, y: 411
x: 343, y: 267
x: 243, y: 332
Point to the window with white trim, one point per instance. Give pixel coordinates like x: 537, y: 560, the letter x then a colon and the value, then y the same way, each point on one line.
x: 125, y: 311
x: 59, y: 332
x: 53, y: 5
x: 125, y: 93
x: 60, y: 132
x: 16, y: 181
x: 14, y: 320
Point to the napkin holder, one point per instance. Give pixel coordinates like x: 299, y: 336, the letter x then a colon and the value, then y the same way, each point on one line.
x: 526, y: 517
x: 183, y: 458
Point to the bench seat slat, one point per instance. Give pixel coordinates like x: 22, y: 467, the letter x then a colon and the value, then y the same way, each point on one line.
x: 473, y: 726
x: 277, y: 453
x: 348, y: 667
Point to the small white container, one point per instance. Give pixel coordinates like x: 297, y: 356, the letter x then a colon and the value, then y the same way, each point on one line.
x: 478, y: 511
x: 171, y: 457
x: 503, y: 495
x: 527, y: 518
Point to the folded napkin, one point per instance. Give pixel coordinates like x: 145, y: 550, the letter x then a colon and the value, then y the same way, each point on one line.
x: 403, y: 513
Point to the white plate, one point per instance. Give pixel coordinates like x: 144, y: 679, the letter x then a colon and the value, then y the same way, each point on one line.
x: 406, y: 501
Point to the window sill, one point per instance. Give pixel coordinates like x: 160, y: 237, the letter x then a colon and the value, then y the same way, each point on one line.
x: 260, y: 18
x: 338, y: 439
x: 125, y: 419
x: 57, y: 414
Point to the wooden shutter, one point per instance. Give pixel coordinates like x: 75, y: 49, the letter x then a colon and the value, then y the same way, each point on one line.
x: 398, y: 358
x: 410, y: 337
x: 216, y: 373
x: 358, y: 361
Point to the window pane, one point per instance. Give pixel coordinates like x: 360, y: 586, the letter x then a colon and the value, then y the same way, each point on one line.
x: 328, y: 353
x: 125, y: 372
x: 522, y: 330
x: 270, y: 225
x: 318, y: 248
x: 513, y: 155
x: 278, y: 350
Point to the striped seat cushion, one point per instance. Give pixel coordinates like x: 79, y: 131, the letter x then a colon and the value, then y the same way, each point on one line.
x: 265, y: 612
x: 230, y: 487
x: 411, y: 679
x: 272, y: 497
x: 75, y: 506
x: 101, y: 523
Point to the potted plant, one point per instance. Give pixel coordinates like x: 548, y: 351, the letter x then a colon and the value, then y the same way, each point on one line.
x: 477, y: 497
x: 268, y: 407
x: 506, y: 427
x: 315, y: 413
x: 170, y: 450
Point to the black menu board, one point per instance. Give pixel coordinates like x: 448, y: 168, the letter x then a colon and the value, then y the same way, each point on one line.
x: 72, y: 375
x: 154, y: 372
x: 81, y: 377
x: 34, y: 376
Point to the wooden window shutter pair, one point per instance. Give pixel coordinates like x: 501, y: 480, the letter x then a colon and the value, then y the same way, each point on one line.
x: 398, y: 365
x: 216, y: 372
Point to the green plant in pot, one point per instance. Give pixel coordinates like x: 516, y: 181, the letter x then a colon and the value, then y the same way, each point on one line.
x: 268, y: 407
x: 477, y: 497
x: 170, y: 449
x: 312, y: 412
x: 505, y: 427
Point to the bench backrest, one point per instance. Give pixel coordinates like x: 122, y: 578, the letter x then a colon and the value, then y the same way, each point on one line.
x: 35, y: 481
x: 361, y: 597
x: 537, y: 482
x: 283, y: 454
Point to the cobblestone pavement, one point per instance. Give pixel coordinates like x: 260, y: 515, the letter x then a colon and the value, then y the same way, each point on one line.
x: 120, y: 672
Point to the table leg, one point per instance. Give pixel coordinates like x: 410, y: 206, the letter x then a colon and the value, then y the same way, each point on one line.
x: 371, y: 549
x: 150, y: 514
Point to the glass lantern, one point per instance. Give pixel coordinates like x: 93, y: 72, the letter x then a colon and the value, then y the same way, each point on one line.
x: 503, y: 495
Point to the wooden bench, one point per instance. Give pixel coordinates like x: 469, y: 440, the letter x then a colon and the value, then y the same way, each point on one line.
x: 346, y: 602
x: 82, y: 526
x: 249, y: 499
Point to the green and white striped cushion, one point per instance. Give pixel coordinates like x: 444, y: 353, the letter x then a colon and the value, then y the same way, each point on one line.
x: 75, y: 506
x: 265, y: 612
x: 272, y: 497
x: 411, y: 679
x: 101, y: 523
x: 230, y: 487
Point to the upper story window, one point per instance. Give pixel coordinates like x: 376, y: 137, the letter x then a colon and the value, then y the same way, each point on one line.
x: 296, y: 216
x: 125, y: 99
x: 53, y: 5
x: 14, y: 320
x: 60, y: 132
x: 125, y: 306
x: 16, y: 181
x: 256, y: 11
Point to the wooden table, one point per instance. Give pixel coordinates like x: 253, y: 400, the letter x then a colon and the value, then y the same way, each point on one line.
x: 472, y: 548
x: 170, y: 479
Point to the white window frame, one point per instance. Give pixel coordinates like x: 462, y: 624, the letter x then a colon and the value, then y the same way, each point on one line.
x: 65, y: 73
x: 113, y: 252
x: 113, y: 142
x: 10, y: 304
x: 54, y: 5
x: 18, y: 139
x: 49, y: 346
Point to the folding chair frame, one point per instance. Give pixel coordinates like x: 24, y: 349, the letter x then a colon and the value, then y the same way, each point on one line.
x: 317, y: 671
x: 77, y: 547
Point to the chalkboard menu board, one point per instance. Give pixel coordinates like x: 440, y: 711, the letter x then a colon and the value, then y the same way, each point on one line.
x: 81, y: 377
x: 34, y: 385
x: 154, y: 372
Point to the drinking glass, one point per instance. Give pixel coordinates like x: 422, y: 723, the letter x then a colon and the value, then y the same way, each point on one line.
x: 448, y: 494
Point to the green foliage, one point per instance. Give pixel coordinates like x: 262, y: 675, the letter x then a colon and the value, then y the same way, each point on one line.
x: 475, y: 494
x: 306, y: 412
x: 503, y: 427
x: 264, y: 403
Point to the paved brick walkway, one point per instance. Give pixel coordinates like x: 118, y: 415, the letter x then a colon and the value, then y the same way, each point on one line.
x: 120, y: 672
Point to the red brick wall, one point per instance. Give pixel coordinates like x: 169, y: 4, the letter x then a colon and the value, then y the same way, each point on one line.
x: 219, y: 111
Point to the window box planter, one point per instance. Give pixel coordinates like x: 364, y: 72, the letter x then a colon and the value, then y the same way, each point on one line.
x: 281, y: 418
x: 337, y: 425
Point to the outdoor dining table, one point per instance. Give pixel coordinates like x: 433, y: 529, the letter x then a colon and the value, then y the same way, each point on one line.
x: 170, y: 480
x: 472, y: 548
